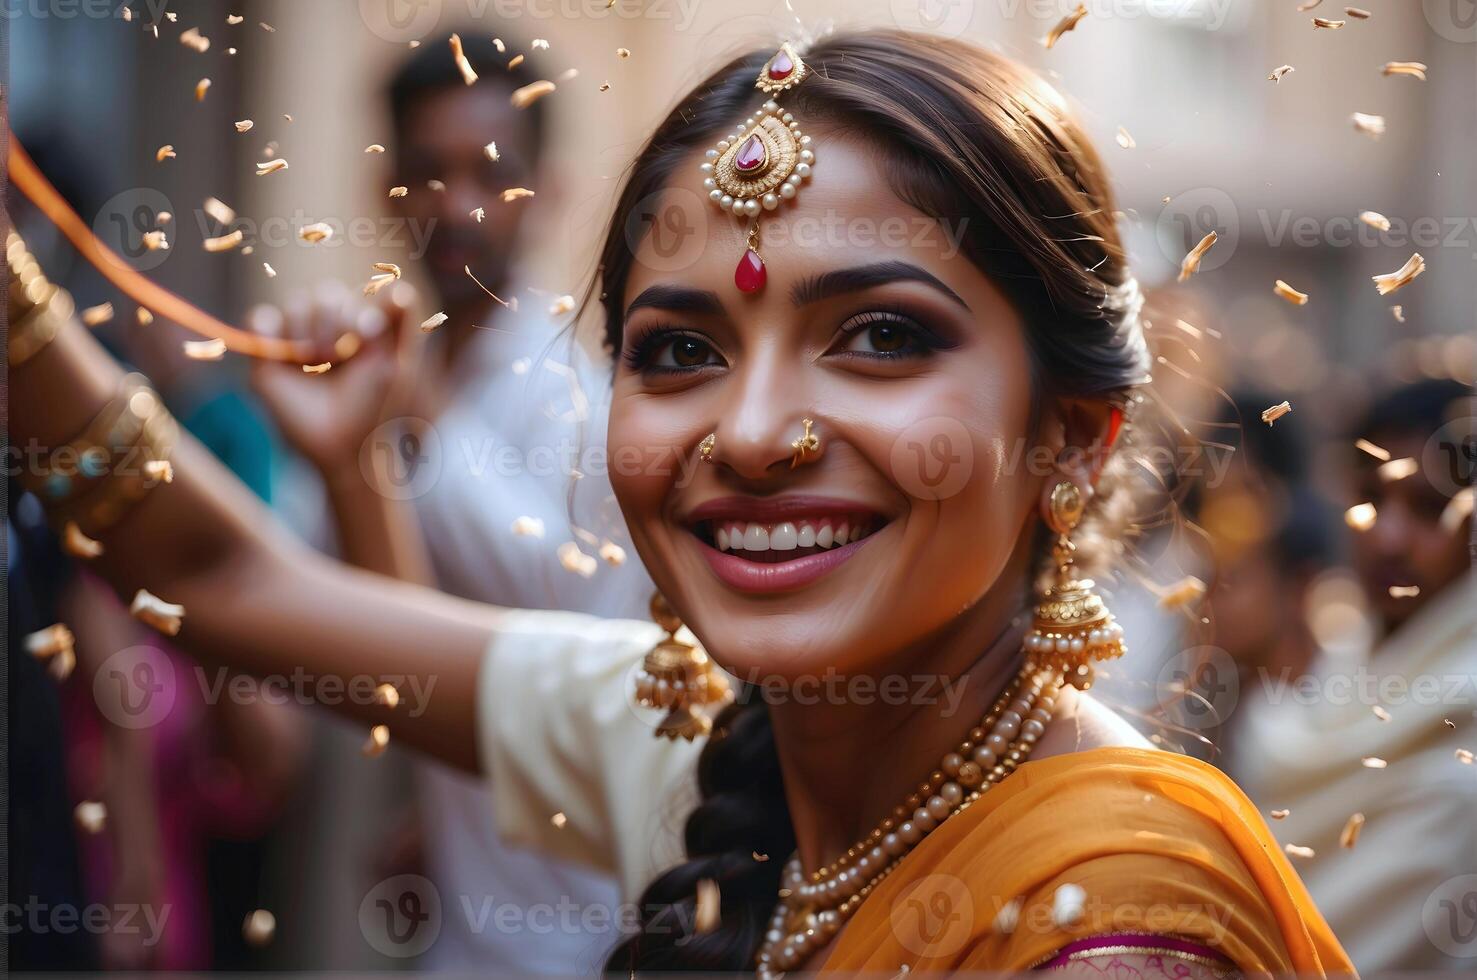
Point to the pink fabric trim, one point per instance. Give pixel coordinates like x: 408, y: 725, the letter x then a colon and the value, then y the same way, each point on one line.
x: 1086, y: 946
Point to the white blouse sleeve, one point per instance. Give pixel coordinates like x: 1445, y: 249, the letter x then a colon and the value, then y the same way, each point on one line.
x: 558, y: 733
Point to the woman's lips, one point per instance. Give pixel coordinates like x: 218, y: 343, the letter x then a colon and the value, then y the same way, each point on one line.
x: 763, y: 568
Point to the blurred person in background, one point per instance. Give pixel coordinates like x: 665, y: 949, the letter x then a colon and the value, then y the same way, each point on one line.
x: 467, y: 432
x: 1365, y: 756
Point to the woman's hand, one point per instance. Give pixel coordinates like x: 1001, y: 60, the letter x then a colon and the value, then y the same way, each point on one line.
x: 327, y: 417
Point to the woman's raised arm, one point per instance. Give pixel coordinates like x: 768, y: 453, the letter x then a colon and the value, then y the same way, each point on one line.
x: 256, y: 599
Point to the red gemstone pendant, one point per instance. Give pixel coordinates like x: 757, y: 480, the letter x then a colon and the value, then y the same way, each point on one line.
x: 751, y: 155
x: 781, y: 66
x: 750, y: 275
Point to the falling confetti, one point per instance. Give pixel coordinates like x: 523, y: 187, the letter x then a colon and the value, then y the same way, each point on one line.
x: 528, y: 527
x: 531, y: 93
x: 96, y: 316
x: 1464, y: 756
x: 460, y: 57
x: 387, y: 695
x: 1412, y: 68
x: 1380, y: 713
x: 374, y: 148
x: 1326, y: 24
x: 379, y: 740
x: 1007, y: 918
x: 165, y: 152
x: 559, y: 821
x: 1064, y: 25
x: 271, y: 272
x: 1457, y: 509
x: 576, y: 561
x: 91, y: 816
x: 323, y: 368
x: 1277, y: 73
x: 193, y: 39
x: 515, y: 193
x: 1391, y: 281
x: 1371, y: 126
x: 143, y: 316
x: 153, y: 611
x: 159, y: 470
x: 1190, y: 264
x: 1378, y: 452
x: 708, y: 906
x: 259, y: 927
x: 1398, y: 312
x: 225, y: 243
x: 1276, y: 412
x: 1068, y: 904
x: 399, y: 191
x: 433, y: 321
x: 54, y: 640
x: 477, y: 214
x: 1125, y: 139
x: 205, y: 350
x: 613, y: 554
x: 1181, y: 593
x: 201, y: 87
x: 1280, y: 814
x: 244, y: 125
x: 79, y: 545
x: 1404, y: 591
x: 1285, y: 291
x: 514, y: 61
x: 1398, y: 469
x: 319, y: 232
x: 1358, y: 13
x: 1299, y: 851
x: 561, y: 305
x: 270, y: 167
x: 490, y: 151
x: 1349, y: 836
x: 1373, y: 762
x: 1360, y: 517
x: 1375, y: 220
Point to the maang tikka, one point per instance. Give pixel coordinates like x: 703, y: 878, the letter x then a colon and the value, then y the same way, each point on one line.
x: 761, y: 163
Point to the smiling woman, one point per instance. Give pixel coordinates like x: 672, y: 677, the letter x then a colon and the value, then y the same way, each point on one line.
x: 862, y: 411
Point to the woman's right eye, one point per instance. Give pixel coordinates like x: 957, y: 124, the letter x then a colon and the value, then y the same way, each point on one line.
x: 674, y: 352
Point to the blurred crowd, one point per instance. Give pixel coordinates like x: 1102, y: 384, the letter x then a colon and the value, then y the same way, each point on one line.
x: 1300, y: 604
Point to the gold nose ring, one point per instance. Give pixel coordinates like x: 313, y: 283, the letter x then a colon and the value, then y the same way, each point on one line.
x: 705, y: 448
x: 807, y: 444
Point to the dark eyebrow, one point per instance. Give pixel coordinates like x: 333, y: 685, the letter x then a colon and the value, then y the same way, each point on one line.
x: 679, y: 299
x: 828, y: 284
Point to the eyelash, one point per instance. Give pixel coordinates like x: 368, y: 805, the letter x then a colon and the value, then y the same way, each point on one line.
x: 641, y: 354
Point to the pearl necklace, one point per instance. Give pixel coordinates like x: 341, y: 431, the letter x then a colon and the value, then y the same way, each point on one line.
x: 812, y: 908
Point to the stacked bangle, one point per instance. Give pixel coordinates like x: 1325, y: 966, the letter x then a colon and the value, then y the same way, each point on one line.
x: 38, y: 308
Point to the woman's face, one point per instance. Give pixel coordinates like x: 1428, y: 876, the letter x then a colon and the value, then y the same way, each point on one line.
x: 912, y: 366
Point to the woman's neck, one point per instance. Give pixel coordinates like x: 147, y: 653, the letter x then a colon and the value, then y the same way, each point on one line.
x: 848, y: 763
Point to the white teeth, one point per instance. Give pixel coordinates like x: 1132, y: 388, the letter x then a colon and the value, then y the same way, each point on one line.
x: 722, y: 539
x: 783, y: 537
x: 841, y: 535
x: 825, y: 537
x: 807, y: 536
x: 756, y: 538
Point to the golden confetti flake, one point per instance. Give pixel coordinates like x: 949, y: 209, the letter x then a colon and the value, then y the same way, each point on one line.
x: 266, y: 27
x: 576, y: 561
x: 374, y: 148
x: 1398, y: 469
x: 435, y: 185
x: 205, y: 350
x: 559, y: 821
x: 1277, y: 73
x: 613, y: 554
x: 568, y: 75
x: 1190, y: 264
x: 623, y: 53
x: 165, y: 152
x: 270, y: 167
x: 244, y: 125
x: 515, y: 193
x: 1373, y: 762
x: 224, y: 243
x: 1276, y: 412
x: 201, y: 87
x: 1285, y: 291
x: 1464, y: 756
x: 387, y: 695
x: 1404, y: 591
x: 1412, y: 68
x: 433, y: 321
x: 1370, y: 125
x: 708, y: 906
x: 155, y: 241
x: 1378, y: 452
x: 528, y: 527
x: 605, y: 86
x: 502, y: 48
x: 159, y: 470
x: 477, y: 214
x: 1360, y: 517
x: 1280, y: 814
x: 1391, y: 281
x: 79, y: 545
x: 1326, y: 24
x: 234, y: 19
x: 514, y: 61
x: 1181, y: 593
x: 1375, y: 220
x: 1398, y: 312
x: 259, y: 927
x: 143, y: 316
x: 379, y: 740
x: 1358, y: 13
x: 531, y: 93
x: 50, y: 642
x: 320, y: 231
x: 758, y: 858
x: 271, y: 272
x: 469, y: 75
x: 1349, y: 836
x: 539, y: 44
x: 1380, y: 713
x: 91, y: 816
x: 194, y: 40
x: 561, y: 305
x: 490, y: 151
x: 153, y: 611
x: 1457, y: 509
x: 399, y: 191
x: 1008, y: 918
x: 1125, y: 139
x: 1064, y: 25
x: 323, y: 368
x: 219, y: 210
x: 96, y: 316
x: 1299, y: 851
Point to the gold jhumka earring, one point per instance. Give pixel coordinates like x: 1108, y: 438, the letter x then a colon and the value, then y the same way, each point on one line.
x: 679, y: 677
x: 761, y: 163
x: 1073, y: 626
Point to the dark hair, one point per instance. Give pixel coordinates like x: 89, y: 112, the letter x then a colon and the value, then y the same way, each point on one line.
x: 1420, y: 407
x: 964, y: 134
x: 431, y: 69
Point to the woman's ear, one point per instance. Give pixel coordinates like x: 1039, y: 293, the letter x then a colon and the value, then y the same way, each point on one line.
x: 1089, y: 428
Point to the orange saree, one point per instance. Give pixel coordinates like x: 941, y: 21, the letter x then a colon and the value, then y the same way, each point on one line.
x: 1145, y: 843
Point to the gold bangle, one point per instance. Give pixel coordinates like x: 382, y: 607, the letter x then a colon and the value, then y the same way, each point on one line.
x: 127, y: 482
x: 70, y: 469
x: 38, y: 309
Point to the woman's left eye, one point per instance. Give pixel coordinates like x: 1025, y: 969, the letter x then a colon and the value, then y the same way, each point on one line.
x: 882, y: 334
